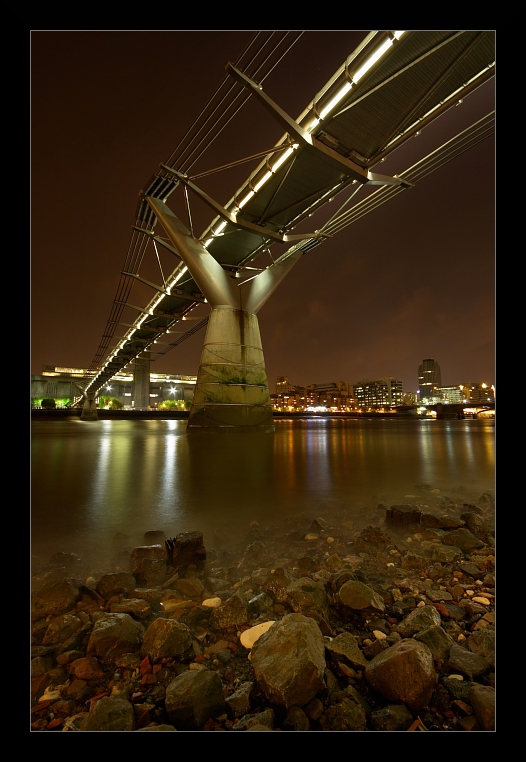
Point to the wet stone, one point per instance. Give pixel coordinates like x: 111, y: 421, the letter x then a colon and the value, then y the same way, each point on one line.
x: 86, y: 657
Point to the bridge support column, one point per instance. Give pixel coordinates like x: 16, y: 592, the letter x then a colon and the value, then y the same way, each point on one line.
x: 232, y: 389
x: 141, y: 382
x: 231, y: 393
x: 89, y: 408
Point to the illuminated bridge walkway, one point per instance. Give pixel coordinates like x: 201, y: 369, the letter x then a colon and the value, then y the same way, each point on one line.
x: 387, y: 89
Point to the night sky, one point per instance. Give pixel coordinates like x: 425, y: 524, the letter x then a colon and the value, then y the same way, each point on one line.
x: 413, y: 279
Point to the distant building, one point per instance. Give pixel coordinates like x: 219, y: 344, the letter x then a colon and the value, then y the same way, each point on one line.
x: 59, y: 384
x: 429, y: 380
x: 379, y: 393
x: 283, y: 386
x: 478, y: 393
x: 452, y: 395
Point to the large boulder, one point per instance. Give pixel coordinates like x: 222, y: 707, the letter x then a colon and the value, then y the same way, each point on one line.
x: 192, y: 698
x: 462, y: 538
x: 360, y: 597
x: 110, y: 713
x: 404, y: 672
x: 114, y: 635
x: 165, y: 637
x: 307, y: 597
x: 55, y: 597
x: 115, y: 584
x: 289, y: 661
x: 234, y: 612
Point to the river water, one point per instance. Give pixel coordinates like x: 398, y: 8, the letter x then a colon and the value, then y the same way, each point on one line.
x: 92, y: 480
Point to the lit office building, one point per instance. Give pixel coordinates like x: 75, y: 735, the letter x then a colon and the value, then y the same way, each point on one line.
x: 429, y: 380
x: 383, y: 392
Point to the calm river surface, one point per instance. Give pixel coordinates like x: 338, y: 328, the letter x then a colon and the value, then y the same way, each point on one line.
x: 90, y: 480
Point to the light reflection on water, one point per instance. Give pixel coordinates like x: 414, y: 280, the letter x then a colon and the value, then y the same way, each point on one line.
x: 92, y: 480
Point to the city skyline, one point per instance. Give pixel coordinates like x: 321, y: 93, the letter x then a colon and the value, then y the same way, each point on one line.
x: 413, y: 279
x: 272, y: 382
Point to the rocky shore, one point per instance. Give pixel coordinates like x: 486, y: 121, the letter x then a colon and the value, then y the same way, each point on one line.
x: 329, y: 623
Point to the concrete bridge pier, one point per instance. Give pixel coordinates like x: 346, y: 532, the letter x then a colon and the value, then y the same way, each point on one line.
x: 89, y: 408
x: 141, y: 381
x: 231, y: 393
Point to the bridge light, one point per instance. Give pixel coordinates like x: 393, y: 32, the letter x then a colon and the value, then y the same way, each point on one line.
x: 262, y: 182
x: 337, y: 98
x: 284, y: 156
x: 356, y: 77
x: 246, y: 199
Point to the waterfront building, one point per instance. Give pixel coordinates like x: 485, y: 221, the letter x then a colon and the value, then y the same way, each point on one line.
x: 451, y: 395
x: 429, y: 380
x: 478, y: 393
x: 379, y: 393
x: 58, y: 383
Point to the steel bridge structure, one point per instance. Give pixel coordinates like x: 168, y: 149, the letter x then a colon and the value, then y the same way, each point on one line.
x: 385, y: 92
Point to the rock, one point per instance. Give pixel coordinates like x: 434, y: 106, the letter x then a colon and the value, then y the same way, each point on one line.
x: 391, y: 717
x: 404, y: 672
x: 482, y: 642
x: 115, y: 584
x: 438, y: 642
x: 360, y: 597
x: 467, y: 663
x: 110, y: 714
x: 261, y: 721
x: 186, y: 548
x: 234, y: 612
x: 289, y: 661
x: 54, y: 597
x: 344, y: 648
x: 445, y: 554
x: 296, y: 719
x: 192, y: 587
x: 86, y: 647
x: 462, y: 538
x: 345, y: 715
x: 238, y: 703
x: 193, y: 698
x: 305, y: 596
x: 418, y: 619
x: 139, y: 553
x: 164, y: 638
x: 149, y: 572
x: 86, y: 668
x: 441, y: 521
x: 399, y: 516
x: 136, y: 607
x: 114, y: 635
x: 482, y: 699
x: 61, y: 628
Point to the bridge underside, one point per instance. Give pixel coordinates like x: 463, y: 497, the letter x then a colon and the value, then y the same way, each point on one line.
x: 389, y: 88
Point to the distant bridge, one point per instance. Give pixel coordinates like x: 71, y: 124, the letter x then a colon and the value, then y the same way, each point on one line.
x: 454, y: 410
